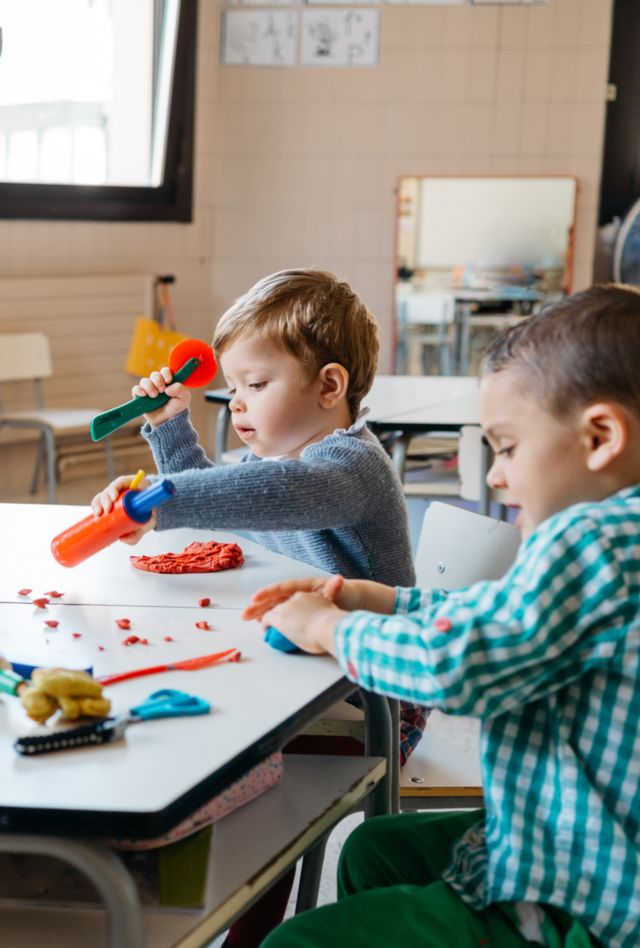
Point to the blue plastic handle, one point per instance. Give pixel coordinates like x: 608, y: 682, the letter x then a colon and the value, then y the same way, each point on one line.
x: 139, y: 503
x: 279, y: 641
x: 169, y: 703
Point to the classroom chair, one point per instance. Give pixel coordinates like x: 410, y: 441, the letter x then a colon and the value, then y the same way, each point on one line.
x: 463, y: 479
x: 26, y: 357
x: 426, y: 320
x: 456, y: 548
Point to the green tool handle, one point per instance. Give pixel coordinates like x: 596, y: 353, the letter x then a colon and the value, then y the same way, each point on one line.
x: 109, y: 421
x: 10, y: 682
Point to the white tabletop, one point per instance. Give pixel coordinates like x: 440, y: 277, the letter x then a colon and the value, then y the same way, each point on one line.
x: 415, y: 398
x: 159, y: 761
x: 256, y: 702
x: 108, y: 577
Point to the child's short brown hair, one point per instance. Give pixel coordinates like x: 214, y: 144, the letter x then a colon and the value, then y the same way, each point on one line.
x: 315, y: 317
x: 576, y: 352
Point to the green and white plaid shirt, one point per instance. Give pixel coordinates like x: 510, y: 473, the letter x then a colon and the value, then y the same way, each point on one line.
x: 549, y: 659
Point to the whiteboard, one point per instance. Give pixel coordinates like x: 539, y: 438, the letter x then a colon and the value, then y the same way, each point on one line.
x: 494, y: 222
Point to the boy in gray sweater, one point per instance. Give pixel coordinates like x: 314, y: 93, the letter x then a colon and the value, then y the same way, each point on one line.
x: 299, y: 353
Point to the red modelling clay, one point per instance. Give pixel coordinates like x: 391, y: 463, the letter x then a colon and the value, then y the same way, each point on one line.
x: 168, y: 638
x: 52, y: 623
x: 53, y: 594
x: 123, y: 623
x: 24, y: 592
x: 76, y: 635
x: 101, y: 648
x: 41, y: 603
x: 443, y: 624
x: 130, y: 640
x: 197, y: 557
x: 204, y: 602
x: 203, y: 625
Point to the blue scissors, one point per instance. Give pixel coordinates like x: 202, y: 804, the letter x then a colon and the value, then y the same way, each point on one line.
x: 165, y: 703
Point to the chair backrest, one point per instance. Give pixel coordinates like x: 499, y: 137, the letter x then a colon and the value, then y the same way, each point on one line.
x: 24, y: 356
x: 470, y: 465
x: 426, y: 309
x: 458, y: 547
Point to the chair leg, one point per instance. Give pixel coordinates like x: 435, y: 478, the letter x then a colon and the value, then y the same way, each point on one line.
x: 50, y: 445
x: 36, y: 467
x: 111, y: 471
x: 310, y: 875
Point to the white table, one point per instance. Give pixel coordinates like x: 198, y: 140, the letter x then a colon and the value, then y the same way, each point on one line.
x: 410, y: 404
x: 163, y: 769
x: 108, y: 577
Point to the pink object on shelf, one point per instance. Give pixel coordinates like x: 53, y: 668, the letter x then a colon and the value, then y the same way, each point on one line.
x: 247, y: 788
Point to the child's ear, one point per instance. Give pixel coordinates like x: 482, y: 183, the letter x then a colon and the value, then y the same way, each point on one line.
x: 607, y: 432
x: 334, y: 382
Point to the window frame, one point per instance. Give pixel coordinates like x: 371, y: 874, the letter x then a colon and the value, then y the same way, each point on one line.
x: 170, y: 201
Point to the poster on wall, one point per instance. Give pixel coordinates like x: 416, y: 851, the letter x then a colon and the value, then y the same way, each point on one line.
x: 429, y: 3
x: 511, y: 2
x: 346, y: 37
x: 258, y: 37
x: 260, y: 3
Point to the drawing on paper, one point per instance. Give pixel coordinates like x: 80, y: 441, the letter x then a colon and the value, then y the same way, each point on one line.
x: 259, y: 37
x: 347, y: 37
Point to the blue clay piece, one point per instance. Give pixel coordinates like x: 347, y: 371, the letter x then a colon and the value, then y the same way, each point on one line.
x: 279, y: 641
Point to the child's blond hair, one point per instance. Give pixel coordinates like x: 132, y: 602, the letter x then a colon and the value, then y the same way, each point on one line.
x: 576, y: 352
x: 313, y: 316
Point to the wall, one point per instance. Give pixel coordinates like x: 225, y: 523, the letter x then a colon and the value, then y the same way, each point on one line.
x: 299, y: 167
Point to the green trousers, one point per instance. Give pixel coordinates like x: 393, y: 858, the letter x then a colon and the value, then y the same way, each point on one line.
x: 390, y: 893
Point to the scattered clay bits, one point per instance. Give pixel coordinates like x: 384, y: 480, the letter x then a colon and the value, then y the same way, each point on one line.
x: 197, y: 557
x: 168, y: 638
x: 132, y: 640
x: 76, y: 635
x: 41, y: 603
x: 123, y: 623
x: 204, y: 602
x: 203, y: 625
x: 53, y: 594
x: 52, y: 623
x: 24, y: 592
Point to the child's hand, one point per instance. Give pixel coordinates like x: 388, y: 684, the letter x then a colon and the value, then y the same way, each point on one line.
x: 308, y: 620
x: 103, y: 503
x: 336, y: 589
x: 156, y: 384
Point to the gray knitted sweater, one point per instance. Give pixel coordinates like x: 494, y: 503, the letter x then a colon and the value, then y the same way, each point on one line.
x: 339, y: 506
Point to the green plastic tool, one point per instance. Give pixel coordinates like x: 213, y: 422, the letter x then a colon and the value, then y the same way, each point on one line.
x: 109, y: 421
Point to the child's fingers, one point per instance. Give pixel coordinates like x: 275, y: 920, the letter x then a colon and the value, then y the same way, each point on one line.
x: 103, y: 502
x: 332, y: 587
x: 257, y: 610
x: 166, y: 373
x: 135, y: 535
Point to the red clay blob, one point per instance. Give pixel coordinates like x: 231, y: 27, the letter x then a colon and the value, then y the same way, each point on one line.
x: 197, y: 557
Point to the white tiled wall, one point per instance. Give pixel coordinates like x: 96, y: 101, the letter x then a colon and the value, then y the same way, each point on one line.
x: 298, y: 166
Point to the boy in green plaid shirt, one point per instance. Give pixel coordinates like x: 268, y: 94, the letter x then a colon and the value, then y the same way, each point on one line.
x: 548, y: 657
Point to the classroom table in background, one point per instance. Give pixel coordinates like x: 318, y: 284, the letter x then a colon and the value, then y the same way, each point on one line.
x: 411, y: 405
x: 155, y: 777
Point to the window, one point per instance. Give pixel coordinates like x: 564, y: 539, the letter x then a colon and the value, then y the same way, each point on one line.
x: 96, y: 109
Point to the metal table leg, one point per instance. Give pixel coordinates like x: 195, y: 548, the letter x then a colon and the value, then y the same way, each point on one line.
x: 106, y: 872
x: 222, y: 430
x: 382, y: 740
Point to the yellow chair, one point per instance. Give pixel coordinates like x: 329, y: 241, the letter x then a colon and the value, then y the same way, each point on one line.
x: 26, y: 357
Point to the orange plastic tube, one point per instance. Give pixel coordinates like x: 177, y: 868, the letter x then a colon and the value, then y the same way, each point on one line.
x: 92, y: 534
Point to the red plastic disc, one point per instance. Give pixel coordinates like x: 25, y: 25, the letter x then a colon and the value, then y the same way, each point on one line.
x: 194, y: 348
